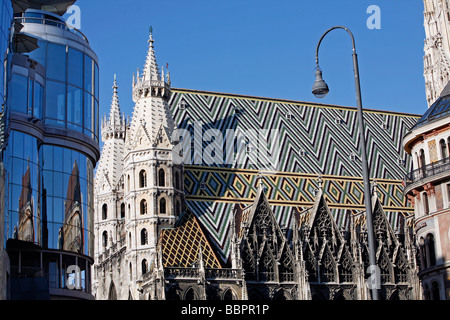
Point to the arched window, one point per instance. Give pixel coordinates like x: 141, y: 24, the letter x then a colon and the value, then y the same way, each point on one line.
x: 105, y: 239
x: 426, y: 206
x: 143, y: 207
x: 128, y: 183
x: 144, y: 266
x: 444, y: 150
x: 228, y: 295
x: 162, y: 206
x: 161, y: 178
x: 129, y: 239
x: 423, y: 253
x: 190, y: 295
x: 142, y: 179
x: 431, y: 249
x: 421, y: 158
x: 104, y: 211
x: 122, y: 211
x: 144, y: 237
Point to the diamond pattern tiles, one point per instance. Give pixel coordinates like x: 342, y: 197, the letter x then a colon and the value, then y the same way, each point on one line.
x: 181, y: 245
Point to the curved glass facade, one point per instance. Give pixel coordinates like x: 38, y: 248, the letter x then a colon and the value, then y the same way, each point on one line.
x: 5, y: 24
x: 72, y: 79
x: 50, y: 195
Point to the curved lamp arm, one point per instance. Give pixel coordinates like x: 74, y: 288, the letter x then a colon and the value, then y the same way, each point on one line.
x: 328, y: 31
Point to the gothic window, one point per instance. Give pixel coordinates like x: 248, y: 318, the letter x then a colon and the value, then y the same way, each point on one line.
x: 346, y: 268
x: 431, y: 250
x: 327, y: 272
x: 104, y: 211
x: 122, y: 211
x: 423, y: 253
x: 228, y: 295
x: 286, y: 268
x: 267, y: 271
x: 143, y: 207
x: 161, y: 178
x: 144, y: 266
x: 129, y: 239
x: 144, y: 237
x: 385, y: 268
x: 426, y: 206
x: 162, y: 206
x: 142, y: 179
x: 401, y: 269
x: 190, y: 295
x: 128, y: 183
x: 105, y: 240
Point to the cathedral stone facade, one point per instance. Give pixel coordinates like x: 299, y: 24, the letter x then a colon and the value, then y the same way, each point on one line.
x: 437, y: 48
x: 167, y: 229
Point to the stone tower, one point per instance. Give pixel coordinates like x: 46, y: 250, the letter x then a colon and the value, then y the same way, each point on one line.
x: 153, y: 182
x: 108, y: 182
x: 437, y: 47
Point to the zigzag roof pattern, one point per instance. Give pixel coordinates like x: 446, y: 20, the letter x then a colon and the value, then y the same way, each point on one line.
x: 316, y: 140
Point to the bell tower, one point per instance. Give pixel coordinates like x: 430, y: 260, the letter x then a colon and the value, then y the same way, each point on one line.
x: 153, y: 182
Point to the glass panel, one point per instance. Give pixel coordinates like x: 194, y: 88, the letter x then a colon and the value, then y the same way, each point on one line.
x: 96, y: 80
x: 19, y: 86
x: 88, y: 113
x: 40, y: 53
x: 56, y: 62
x: 88, y: 74
x: 38, y: 100
x: 55, y: 107
x: 30, y: 97
x: 74, y: 107
x: 75, y: 68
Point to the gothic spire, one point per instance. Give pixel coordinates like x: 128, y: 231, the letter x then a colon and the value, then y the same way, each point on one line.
x: 151, y: 71
x: 114, y: 112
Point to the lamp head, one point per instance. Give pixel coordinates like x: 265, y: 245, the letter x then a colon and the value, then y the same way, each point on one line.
x: 320, y: 88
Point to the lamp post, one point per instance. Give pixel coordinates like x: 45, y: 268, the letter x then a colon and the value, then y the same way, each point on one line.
x: 320, y: 90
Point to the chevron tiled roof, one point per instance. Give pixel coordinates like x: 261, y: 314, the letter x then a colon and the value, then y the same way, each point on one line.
x: 316, y: 140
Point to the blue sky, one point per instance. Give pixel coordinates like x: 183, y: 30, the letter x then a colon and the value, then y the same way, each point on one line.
x: 263, y: 48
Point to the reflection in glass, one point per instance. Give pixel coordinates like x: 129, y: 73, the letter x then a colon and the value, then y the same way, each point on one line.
x: 88, y: 74
x: 52, y: 188
x: 75, y: 108
x: 56, y: 62
x: 55, y: 107
x: 25, y: 231
x: 72, y: 232
x: 38, y: 100
x: 19, y: 85
x: 75, y: 68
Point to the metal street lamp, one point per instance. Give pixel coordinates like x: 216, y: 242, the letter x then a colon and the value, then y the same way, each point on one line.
x: 320, y: 90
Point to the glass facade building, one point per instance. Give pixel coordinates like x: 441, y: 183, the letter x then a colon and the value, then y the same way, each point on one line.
x: 50, y: 154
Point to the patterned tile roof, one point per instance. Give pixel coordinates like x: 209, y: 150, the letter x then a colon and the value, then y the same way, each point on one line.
x: 180, y: 245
